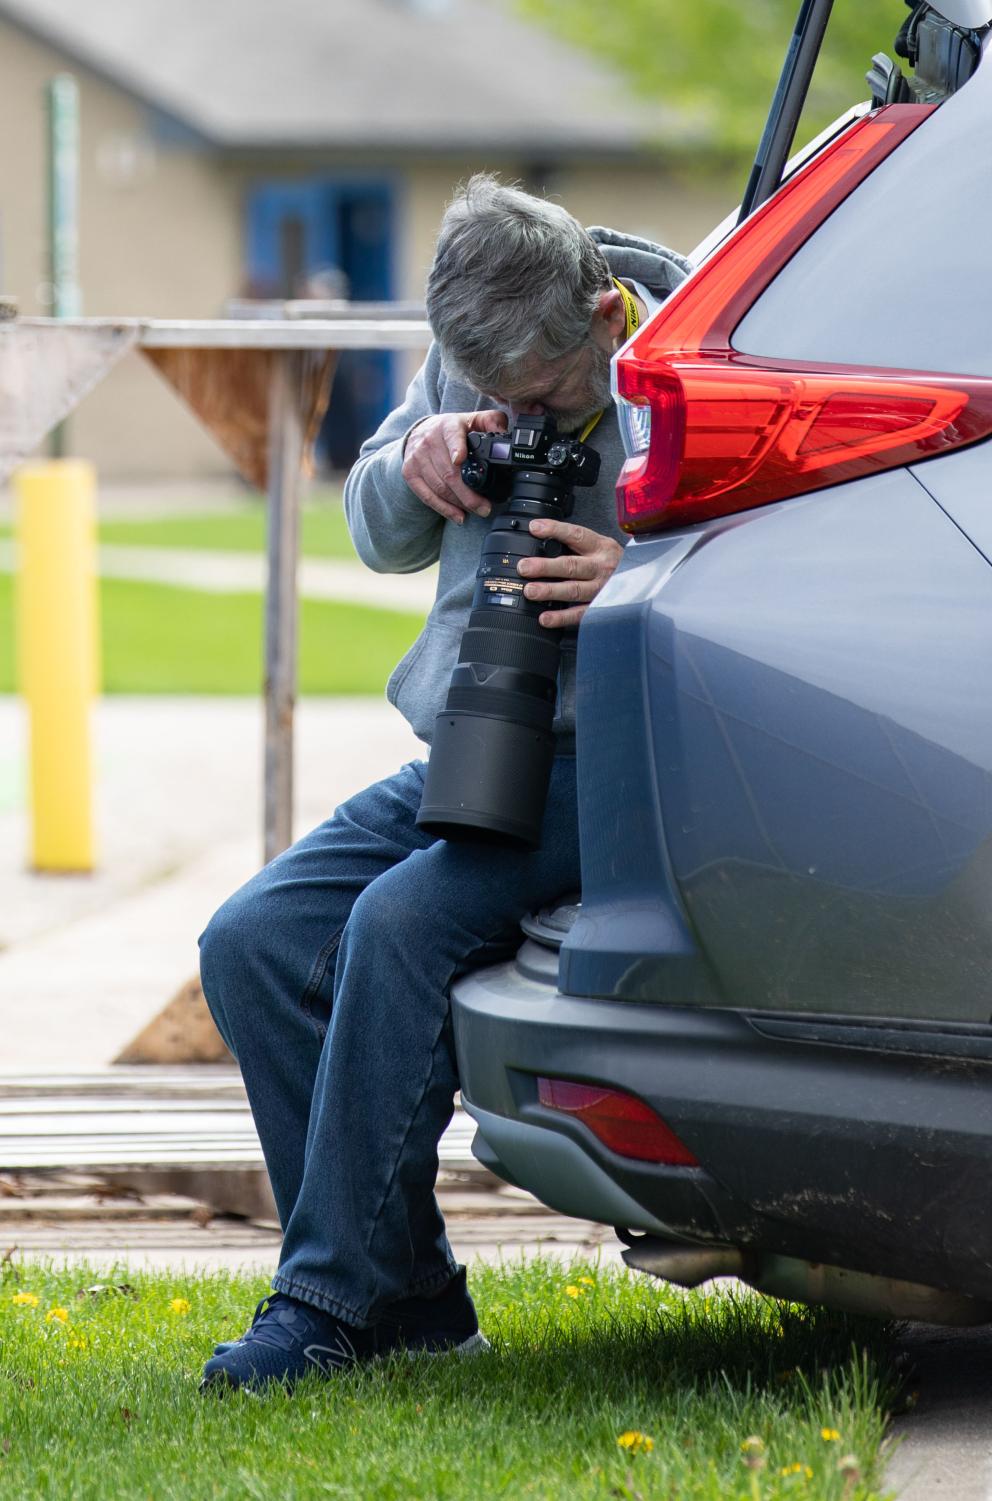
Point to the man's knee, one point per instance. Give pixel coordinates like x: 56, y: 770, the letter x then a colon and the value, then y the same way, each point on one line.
x: 228, y: 944
x: 391, y: 911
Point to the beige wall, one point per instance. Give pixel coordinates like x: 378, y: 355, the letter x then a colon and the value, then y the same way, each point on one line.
x: 161, y: 236
x: 642, y: 200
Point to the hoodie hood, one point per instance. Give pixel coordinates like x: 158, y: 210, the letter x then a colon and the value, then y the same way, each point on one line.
x: 658, y: 269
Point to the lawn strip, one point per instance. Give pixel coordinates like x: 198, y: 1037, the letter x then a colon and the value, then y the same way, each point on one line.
x: 161, y: 639
x: 323, y: 530
x: 721, y: 1396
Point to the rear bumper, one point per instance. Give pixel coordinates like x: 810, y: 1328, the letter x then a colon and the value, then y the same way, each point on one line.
x: 865, y: 1157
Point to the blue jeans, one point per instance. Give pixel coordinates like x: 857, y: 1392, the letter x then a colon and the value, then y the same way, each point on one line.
x: 328, y: 976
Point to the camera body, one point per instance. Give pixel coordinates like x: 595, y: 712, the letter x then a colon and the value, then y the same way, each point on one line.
x: 496, y: 462
x: 493, y: 747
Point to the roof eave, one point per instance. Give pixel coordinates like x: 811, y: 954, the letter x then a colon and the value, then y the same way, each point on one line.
x: 536, y: 146
x: 99, y: 69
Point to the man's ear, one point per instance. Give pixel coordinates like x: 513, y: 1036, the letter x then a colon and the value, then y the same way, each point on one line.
x: 611, y: 310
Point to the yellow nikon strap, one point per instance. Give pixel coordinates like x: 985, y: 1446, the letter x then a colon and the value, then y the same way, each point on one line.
x: 630, y: 308
x: 633, y: 322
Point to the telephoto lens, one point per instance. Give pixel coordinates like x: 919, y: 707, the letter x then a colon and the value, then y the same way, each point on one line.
x: 493, y: 746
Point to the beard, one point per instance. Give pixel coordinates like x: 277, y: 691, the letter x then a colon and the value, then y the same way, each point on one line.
x: 594, y: 396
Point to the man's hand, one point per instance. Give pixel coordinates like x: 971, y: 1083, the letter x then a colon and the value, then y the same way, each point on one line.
x: 435, y: 449
x: 582, y: 573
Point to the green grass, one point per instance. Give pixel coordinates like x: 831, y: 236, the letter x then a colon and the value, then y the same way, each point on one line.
x: 159, y: 639
x: 105, y: 1405
x: 323, y: 532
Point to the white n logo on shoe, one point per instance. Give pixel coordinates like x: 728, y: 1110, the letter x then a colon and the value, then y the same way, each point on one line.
x: 341, y: 1354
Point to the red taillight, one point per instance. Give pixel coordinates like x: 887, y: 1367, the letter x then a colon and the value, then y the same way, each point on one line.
x: 621, y: 1121
x: 730, y: 431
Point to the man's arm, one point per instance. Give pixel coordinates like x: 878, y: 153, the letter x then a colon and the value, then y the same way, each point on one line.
x: 407, y: 480
x: 393, y: 531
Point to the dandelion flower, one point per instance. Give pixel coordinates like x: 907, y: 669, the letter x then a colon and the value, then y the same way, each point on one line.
x: 77, y: 1342
x: 572, y: 1291
x: 829, y: 1435
x: 635, y: 1442
x: 587, y: 1281
x: 57, y: 1316
x: 26, y: 1300
x: 180, y: 1305
x: 753, y: 1454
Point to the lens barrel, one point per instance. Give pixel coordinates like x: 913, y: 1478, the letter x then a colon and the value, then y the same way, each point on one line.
x: 493, y: 746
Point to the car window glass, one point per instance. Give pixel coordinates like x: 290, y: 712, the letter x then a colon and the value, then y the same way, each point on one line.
x: 898, y: 274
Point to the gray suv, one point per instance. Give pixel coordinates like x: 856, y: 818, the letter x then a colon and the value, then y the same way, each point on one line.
x: 761, y: 1043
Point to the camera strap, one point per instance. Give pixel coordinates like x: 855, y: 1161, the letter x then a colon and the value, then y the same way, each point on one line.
x: 633, y: 319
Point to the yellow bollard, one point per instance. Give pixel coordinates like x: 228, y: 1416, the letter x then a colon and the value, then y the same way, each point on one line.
x: 58, y: 655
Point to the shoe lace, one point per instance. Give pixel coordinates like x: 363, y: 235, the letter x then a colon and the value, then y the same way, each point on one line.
x: 278, y: 1322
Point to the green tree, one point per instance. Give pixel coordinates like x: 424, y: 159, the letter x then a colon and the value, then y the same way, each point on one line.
x: 713, y: 64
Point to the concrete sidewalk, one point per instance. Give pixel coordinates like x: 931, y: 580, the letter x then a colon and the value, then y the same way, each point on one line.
x: 86, y: 961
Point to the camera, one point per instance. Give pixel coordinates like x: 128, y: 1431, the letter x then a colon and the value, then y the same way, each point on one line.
x: 493, y: 747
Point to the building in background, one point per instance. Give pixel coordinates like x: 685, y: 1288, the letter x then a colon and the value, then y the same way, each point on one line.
x: 237, y: 147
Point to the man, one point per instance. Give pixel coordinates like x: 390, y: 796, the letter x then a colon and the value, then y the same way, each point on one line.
x: 328, y: 973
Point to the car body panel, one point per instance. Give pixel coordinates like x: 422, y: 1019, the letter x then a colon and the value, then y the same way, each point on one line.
x: 811, y: 747
x: 862, y: 1156
x: 572, y: 1182
x: 961, y: 484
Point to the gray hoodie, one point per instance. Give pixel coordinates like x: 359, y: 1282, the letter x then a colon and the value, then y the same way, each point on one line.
x: 394, y: 532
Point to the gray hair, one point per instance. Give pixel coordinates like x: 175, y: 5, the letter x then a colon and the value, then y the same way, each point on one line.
x: 515, y: 278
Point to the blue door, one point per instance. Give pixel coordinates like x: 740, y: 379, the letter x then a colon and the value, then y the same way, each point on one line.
x: 330, y: 237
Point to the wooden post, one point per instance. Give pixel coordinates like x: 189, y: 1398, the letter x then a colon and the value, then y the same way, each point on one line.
x: 286, y: 442
x: 63, y: 211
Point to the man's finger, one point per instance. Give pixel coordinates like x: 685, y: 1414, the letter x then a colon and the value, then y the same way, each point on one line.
x: 440, y: 481
x: 451, y: 431
x: 562, y: 619
x: 493, y: 421
x: 431, y: 461
x: 454, y: 426
x: 423, y: 492
x: 568, y: 566
x: 578, y: 538
x: 469, y: 500
x: 570, y: 590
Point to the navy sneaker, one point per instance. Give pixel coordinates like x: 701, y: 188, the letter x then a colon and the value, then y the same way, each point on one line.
x: 445, y: 1323
x: 288, y: 1337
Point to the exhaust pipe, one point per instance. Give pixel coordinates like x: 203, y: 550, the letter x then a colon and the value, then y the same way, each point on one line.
x: 686, y: 1265
x: 806, y: 1282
